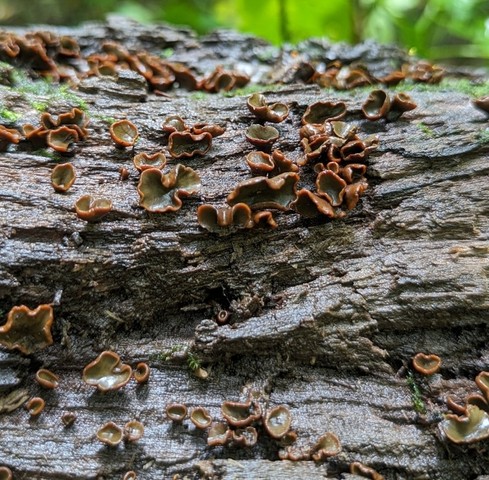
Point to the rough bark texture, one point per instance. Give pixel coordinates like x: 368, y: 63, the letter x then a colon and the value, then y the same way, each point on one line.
x: 325, y: 315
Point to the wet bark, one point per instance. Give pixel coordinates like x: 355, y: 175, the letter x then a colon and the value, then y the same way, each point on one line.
x: 325, y: 316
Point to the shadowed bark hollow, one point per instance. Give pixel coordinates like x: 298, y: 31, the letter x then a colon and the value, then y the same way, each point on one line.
x: 325, y: 315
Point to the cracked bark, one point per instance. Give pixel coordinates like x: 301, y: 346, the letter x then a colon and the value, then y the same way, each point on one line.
x: 325, y: 316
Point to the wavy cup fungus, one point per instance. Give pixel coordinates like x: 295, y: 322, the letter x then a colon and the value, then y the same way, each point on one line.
x: 133, y: 431
x: 261, y: 136
x: 321, y: 112
x: 124, y: 133
x: 426, y: 364
x: 62, y: 177
x: 47, y: 379
x: 110, y: 434
x: 143, y: 161
x: 107, y: 372
x: 200, y: 417
x: 186, y: 144
x: 277, y: 421
x: 275, y: 112
x: 90, y: 209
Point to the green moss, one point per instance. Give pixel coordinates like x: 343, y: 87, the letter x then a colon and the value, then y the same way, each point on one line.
x: 104, y: 118
x: 167, y: 355
x: 167, y: 53
x: 193, y: 361
x: 42, y: 152
x: 416, y: 395
x: 483, y: 136
x: 425, y: 129
x: 199, y: 95
x: 249, y: 89
x: 7, y: 115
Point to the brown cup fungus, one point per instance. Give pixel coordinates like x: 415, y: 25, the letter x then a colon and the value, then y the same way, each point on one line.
x: 143, y: 161
x: 261, y: 192
x: 331, y: 186
x: 262, y: 163
x: 110, y: 434
x: 357, y: 468
x: 275, y: 112
x: 240, y: 414
x: 186, y: 144
x: 377, y: 105
x: 8, y: 136
x: 62, y: 138
x: 133, y: 431
x: 35, y: 406
x: 327, y: 446
x: 200, y: 417
x: 161, y: 193
x: 277, y: 421
x: 141, y: 372
x: 246, y: 437
x: 174, y: 123
x: 219, y: 434
x: 5, y: 473
x: 469, y: 428
x: 124, y: 133
x: 176, y: 412
x: 47, y: 379
x: 62, y: 177
x: 482, y: 104
x: 28, y: 330
x: 310, y: 205
x: 321, y: 112
x: 261, y: 136
x: 214, y: 130
x: 426, y: 364
x: 214, y: 219
x: 130, y: 475
x: 107, y: 372
x: 92, y: 209
x: 68, y: 419
x: 482, y: 381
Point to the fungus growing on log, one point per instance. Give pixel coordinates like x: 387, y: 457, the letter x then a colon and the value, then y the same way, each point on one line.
x: 35, y: 406
x: 124, y: 133
x: 176, y: 412
x: 357, y: 468
x: 310, y: 205
x: 377, y: 105
x: 426, y: 364
x: 68, y: 419
x: 261, y: 136
x: 62, y: 177
x: 143, y: 161
x: 331, y: 186
x: 264, y: 219
x: 8, y: 136
x: 469, y: 428
x: 262, y: 163
x: 5, y: 473
x: 218, y: 434
x: 321, y: 112
x: 482, y: 381
x: 215, y: 219
x: 186, y: 144
x: 133, y: 431
x: 200, y: 418
x: 482, y: 103
x: 130, y: 475
x: 47, y: 379
x: 239, y: 414
x: 214, y: 130
x: 107, y: 372
x: 90, y: 209
x: 28, y: 330
x: 110, y: 434
x: 274, y: 112
x: 174, y: 123
x: 277, y: 421
x: 327, y: 446
x: 261, y: 192
x: 141, y: 372
x: 246, y: 437
x: 161, y: 193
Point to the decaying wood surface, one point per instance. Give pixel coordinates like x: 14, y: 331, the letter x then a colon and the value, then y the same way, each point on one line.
x: 326, y: 316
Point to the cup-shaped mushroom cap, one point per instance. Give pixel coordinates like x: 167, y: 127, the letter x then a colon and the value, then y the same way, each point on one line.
x: 401, y: 102
x: 107, y: 372
x: 68, y: 419
x: 28, y: 330
x: 353, y: 151
x: 214, y: 130
x: 174, y: 123
x: 311, y: 130
x: 353, y: 193
x: 240, y: 414
x: 110, y: 434
x: 186, y: 144
x: 124, y: 133
x: 328, y: 445
x: 5, y: 473
x: 176, y: 412
x: 8, y: 136
x: 350, y: 173
x: 261, y: 135
x: 130, y: 475
x: 261, y: 192
x: 309, y: 205
x: 133, y: 431
x: 482, y: 103
x: 35, y: 406
x: 62, y: 177
x: 200, y: 417
x: 46, y: 378
x: 277, y: 421
x: 472, y: 427
x: 92, y: 209
x: 357, y: 468
x: 161, y: 193
x: 260, y: 163
x: 219, y: 434
x: 141, y: 372
x: 264, y: 219
x: 143, y: 161
x: 331, y: 186
x: 36, y: 136
x: 426, y: 364
x: 214, y: 219
x: 321, y: 112
x: 275, y: 112
x: 482, y: 381
x: 377, y: 105
x: 247, y: 437
x: 392, y: 78
x: 343, y: 130
x: 475, y: 399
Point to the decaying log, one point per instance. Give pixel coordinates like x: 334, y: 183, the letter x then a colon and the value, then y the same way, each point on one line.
x: 325, y: 315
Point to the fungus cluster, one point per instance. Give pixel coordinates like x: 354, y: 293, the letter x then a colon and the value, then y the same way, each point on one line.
x: 379, y: 105
x: 469, y: 423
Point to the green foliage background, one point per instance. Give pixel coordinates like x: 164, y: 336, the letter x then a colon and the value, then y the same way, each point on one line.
x: 436, y: 29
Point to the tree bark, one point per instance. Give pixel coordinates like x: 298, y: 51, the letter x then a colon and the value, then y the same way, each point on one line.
x: 325, y: 315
